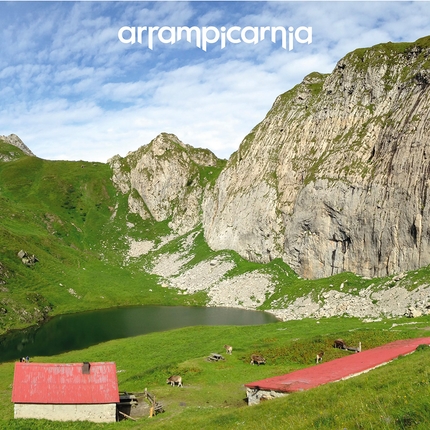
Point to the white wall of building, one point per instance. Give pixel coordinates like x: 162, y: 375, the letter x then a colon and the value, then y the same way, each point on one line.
x: 102, y: 413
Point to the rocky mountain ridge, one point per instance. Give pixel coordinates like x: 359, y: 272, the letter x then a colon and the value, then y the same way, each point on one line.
x: 165, y: 180
x: 334, y: 179
x: 14, y: 140
x: 340, y: 171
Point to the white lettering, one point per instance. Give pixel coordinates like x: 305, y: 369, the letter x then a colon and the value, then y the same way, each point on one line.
x: 140, y: 30
x: 290, y: 38
x: 263, y: 31
x: 254, y: 31
x: 206, y: 39
x: 161, y: 38
x: 230, y: 37
x: 223, y: 29
x: 131, y: 30
x: 188, y: 31
x: 308, y: 31
x: 151, y: 36
x: 202, y: 37
x: 283, y: 35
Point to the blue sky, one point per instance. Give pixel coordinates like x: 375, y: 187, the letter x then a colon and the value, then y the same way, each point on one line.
x: 71, y: 90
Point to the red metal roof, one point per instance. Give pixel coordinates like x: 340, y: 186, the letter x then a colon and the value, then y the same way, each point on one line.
x: 65, y: 383
x: 340, y: 368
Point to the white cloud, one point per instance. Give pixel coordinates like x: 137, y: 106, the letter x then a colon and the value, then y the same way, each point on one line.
x: 71, y: 90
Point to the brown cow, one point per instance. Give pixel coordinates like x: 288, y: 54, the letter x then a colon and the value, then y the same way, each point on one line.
x: 339, y: 343
x: 257, y: 359
x: 175, y: 379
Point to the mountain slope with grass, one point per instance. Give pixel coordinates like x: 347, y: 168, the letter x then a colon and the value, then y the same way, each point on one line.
x: 69, y: 216
x: 90, y: 250
x: 93, y: 252
x: 329, y: 187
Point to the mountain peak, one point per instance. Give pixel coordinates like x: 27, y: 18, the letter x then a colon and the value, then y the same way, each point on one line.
x: 14, y: 140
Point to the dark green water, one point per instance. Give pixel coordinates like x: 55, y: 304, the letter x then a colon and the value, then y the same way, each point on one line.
x: 77, y: 331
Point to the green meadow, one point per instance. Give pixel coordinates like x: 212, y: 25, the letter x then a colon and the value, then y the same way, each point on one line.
x: 69, y: 215
x: 394, y: 396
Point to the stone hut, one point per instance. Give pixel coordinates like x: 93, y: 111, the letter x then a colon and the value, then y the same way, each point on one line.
x: 66, y: 392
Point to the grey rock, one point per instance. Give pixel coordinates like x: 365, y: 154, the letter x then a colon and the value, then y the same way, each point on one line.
x: 14, y: 140
x: 163, y: 181
x: 335, y: 178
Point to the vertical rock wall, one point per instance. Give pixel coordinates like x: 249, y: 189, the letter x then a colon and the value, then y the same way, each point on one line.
x: 335, y: 178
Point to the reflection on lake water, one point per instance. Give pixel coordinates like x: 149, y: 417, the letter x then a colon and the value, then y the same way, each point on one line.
x: 76, y: 331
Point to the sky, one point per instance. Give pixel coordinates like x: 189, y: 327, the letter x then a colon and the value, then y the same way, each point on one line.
x: 73, y: 88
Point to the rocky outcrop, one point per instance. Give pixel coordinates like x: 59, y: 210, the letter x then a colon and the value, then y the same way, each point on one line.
x: 165, y: 180
x: 14, y: 140
x: 28, y: 259
x: 405, y: 294
x: 335, y: 178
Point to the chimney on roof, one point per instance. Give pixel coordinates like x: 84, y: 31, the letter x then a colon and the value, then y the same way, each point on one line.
x: 86, y: 368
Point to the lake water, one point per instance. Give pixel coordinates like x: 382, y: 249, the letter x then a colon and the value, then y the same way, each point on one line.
x: 76, y: 331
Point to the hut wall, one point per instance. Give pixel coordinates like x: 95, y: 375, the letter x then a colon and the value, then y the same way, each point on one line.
x: 98, y: 413
x: 256, y: 395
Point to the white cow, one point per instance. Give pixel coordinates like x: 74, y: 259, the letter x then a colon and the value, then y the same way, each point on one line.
x: 228, y: 349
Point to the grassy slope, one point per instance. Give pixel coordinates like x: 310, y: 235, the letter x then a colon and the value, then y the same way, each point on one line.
x: 70, y: 216
x: 394, y: 396
x: 62, y: 212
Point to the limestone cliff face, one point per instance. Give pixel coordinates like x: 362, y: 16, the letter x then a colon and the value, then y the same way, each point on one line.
x: 336, y: 177
x: 165, y: 180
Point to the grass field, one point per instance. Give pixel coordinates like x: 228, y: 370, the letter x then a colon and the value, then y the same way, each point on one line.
x: 394, y: 396
x: 69, y: 215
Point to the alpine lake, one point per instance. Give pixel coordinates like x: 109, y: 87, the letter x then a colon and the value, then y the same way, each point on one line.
x: 78, y: 331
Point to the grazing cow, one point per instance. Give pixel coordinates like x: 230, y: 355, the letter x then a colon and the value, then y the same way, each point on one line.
x: 175, y: 379
x: 228, y: 349
x: 257, y: 359
x: 320, y: 357
x: 339, y: 343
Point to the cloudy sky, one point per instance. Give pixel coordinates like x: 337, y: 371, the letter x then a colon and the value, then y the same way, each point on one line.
x: 72, y: 90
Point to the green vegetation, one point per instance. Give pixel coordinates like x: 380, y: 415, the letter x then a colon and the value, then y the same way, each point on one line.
x: 71, y: 217
x: 315, y: 82
x: 394, y: 396
x: 387, y: 54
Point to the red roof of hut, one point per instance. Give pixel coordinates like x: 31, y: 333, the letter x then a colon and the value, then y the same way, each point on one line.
x: 75, y: 383
x: 339, y: 368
